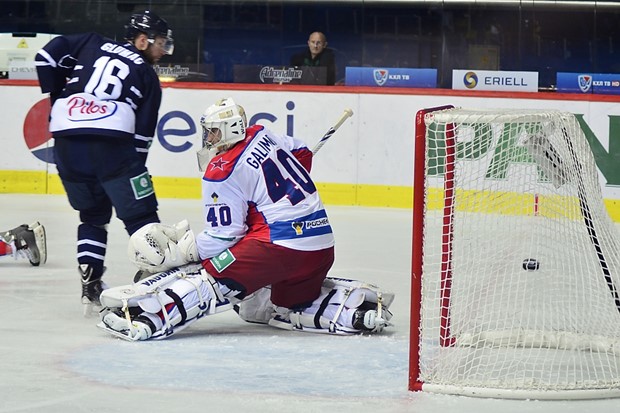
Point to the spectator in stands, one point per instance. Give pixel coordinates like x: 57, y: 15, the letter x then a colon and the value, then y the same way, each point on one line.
x: 317, y: 54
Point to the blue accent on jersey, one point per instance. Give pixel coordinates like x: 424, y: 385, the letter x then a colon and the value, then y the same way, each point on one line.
x: 311, y: 225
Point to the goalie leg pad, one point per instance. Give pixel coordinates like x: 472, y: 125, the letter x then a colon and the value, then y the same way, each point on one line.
x: 130, y: 295
x: 344, y: 307
x: 166, y: 303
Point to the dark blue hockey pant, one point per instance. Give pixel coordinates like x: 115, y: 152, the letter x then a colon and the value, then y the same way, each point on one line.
x: 100, y: 174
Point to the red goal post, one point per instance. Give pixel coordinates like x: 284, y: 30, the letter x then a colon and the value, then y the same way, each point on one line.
x: 419, y: 185
x: 515, y: 261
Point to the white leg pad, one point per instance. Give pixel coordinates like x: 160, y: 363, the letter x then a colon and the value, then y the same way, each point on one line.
x: 336, y: 309
x: 170, y: 300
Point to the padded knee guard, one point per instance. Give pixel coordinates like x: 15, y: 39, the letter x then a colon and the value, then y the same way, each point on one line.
x: 166, y: 303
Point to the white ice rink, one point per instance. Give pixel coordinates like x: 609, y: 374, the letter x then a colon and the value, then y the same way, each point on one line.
x: 52, y: 359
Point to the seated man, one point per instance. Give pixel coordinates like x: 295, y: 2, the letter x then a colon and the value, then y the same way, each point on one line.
x: 266, y: 249
x: 25, y: 241
x: 317, y: 54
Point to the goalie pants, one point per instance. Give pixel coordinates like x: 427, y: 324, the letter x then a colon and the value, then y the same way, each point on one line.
x: 295, y: 276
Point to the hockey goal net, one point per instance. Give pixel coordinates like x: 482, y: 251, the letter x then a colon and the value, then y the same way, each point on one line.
x: 515, y: 269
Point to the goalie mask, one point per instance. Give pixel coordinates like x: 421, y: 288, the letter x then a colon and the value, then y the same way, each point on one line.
x: 223, y: 125
x: 153, y: 26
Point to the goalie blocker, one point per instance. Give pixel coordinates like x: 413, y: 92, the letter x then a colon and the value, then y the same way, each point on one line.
x: 163, y: 304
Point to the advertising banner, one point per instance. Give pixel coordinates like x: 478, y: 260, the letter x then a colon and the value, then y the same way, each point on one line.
x: 495, y: 80
x: 291, y: 75
x: 368, y: 161
x: 390, y: 77
x: 602, y: 83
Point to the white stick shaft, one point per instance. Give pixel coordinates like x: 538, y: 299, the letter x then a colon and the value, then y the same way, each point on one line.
x: 347, y: 114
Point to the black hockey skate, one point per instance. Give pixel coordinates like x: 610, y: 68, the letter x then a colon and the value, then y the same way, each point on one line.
x: 92, y: 287
x: 29, y: 240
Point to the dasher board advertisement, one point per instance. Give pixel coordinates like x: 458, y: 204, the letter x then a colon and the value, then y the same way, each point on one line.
x: 390, y: 77
x: 496, y: 80
x: 602, y: 83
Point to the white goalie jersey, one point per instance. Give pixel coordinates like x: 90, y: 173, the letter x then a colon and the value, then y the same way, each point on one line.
x: 261, y: 189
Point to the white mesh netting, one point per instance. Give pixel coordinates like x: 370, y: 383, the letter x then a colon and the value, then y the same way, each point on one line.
x: 508, y: 187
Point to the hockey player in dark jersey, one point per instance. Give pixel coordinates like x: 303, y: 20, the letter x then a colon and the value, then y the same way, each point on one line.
x: 105, y: 99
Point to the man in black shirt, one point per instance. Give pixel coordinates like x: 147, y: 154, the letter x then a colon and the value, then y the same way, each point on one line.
x: 317, y: 54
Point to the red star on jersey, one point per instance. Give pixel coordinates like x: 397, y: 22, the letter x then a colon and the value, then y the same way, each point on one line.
x: 219, y: 164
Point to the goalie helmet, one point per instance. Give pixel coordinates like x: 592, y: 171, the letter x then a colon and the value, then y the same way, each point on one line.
x: 153, y: 26
x: 226, y: 120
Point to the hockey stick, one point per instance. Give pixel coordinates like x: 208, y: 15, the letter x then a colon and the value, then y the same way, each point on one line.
x: 587, y: 217
x: 347, y: 113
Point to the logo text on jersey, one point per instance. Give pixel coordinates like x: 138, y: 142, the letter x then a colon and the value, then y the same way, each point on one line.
x: 81, y: 109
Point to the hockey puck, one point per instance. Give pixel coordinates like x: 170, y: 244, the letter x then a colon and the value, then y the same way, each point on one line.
x: 530, y: 264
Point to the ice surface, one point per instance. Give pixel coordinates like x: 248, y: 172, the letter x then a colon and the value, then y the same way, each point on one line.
x: 52, y: 359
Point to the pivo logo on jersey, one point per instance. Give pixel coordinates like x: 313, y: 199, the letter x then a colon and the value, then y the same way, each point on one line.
x: 479, y: 143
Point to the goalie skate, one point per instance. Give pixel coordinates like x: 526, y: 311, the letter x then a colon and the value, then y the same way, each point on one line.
x: 116, y: 324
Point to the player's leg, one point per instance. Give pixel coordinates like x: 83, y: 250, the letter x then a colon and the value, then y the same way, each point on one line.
x: 28, y: 241
x: 303, y: 274
x: 251, y: 265
x: 128, y: 184
x: 78, y: 163
x: 300, y: 298
x: 7, y: 242
x: 6, y: 245
x: 343, y: 307
x: 163, y: 304
x: 91, y: 251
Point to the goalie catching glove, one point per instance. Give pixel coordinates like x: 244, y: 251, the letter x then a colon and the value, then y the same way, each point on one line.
x: 157, y: 247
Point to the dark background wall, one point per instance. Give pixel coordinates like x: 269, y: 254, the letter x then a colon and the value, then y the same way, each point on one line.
x: 581, y: 36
